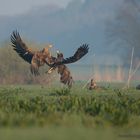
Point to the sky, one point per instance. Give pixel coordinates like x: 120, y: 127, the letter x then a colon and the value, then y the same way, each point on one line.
x: 66, y: 24
x: 75, y: 23
x: 17, y: 7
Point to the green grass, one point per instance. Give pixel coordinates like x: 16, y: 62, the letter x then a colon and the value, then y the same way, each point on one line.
x: 35, y: 112
x: 59, y: 133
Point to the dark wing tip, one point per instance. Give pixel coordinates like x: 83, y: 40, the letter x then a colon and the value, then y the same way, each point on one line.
x: 81, y: 51
x: 20, y: 47
x: 84, y: 48
x: 15, y: 35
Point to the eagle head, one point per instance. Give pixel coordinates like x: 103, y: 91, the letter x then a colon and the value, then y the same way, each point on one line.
x: 59, y: 54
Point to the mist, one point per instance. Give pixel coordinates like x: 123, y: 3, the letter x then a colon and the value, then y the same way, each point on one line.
x: 66, y: 28
x: 111, y: 28
x: 124, y: 32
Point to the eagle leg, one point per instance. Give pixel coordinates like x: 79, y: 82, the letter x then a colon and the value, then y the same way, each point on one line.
x: 50, y: 70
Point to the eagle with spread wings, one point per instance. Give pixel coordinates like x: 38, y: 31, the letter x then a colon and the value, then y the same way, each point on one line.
x: 39, y: 58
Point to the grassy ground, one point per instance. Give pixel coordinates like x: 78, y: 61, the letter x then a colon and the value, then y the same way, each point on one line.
x: 36, y: 112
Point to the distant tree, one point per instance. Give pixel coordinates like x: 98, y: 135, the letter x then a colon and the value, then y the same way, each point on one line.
x: 125, y: 30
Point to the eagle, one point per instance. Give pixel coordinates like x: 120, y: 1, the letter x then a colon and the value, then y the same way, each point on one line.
x: 63, y: 71
x: 37, y: 59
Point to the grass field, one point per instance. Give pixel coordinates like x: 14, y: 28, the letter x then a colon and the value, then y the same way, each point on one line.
x: 40, y: 113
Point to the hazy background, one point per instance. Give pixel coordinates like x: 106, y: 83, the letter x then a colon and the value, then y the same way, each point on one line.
x: 64, y: 23
x: 110, y: 27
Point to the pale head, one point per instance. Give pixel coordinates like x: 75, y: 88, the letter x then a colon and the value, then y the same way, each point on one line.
x: 59, y: 55
x: 58, y: 52
x: 50, y: 46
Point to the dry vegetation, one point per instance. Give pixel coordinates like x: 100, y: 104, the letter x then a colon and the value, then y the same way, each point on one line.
x: 13, y: 70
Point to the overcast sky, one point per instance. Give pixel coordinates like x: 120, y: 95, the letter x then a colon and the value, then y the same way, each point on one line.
x: 14, y: 7
x: 80, y: 22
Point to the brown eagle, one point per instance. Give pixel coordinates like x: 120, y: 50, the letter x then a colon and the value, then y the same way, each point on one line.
x: 63, y: 71
x: 39, y: 58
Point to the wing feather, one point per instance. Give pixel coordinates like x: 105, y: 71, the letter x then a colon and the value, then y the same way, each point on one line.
x: 20, y: 47
x: 81, y: 51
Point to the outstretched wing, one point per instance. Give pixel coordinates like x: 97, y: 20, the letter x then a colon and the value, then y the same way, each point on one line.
x: 20, y: 47
x: 81, y: 51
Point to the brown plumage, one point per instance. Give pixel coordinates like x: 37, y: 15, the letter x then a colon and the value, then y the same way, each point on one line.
x: 92, y: 85
x: 65, y: 75
x: 35, y: 58
x: 39, y: 58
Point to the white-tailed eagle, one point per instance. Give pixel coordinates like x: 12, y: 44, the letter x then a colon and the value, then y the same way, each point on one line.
x: 39, y: 58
